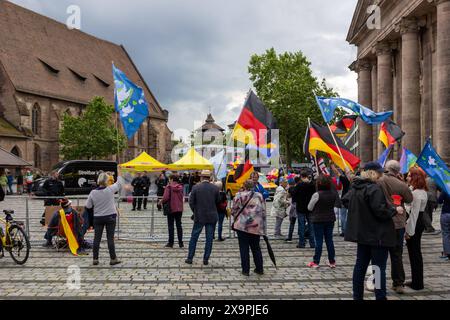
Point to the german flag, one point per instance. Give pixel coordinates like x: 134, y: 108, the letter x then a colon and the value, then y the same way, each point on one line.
x: 319, y: 138
x: 343, y: 126
x: 254, y: 124
x: 243, y: 172
x: 390, y: 133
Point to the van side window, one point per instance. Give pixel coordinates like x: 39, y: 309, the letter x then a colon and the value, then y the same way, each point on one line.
x: 231, y: 179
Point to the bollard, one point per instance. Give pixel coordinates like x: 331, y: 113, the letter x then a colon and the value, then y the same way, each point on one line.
x: 118, y: 219
x: 152, y: 224
x: 27, y: 218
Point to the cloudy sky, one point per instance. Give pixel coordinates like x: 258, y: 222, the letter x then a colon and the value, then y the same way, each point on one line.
x: 194, y: 54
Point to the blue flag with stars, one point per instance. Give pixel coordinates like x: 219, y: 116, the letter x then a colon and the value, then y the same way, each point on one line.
x: 130, y: 103
x: 329, y: 105
x: 435, y: 167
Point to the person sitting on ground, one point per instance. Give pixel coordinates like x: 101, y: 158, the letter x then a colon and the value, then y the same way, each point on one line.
x: 75, y: 220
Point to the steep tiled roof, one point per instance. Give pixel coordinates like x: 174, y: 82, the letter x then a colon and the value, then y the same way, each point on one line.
x: 42, y: 56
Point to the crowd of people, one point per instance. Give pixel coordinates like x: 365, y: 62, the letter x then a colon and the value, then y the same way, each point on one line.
x: 18, y: 181
x: 379, y: 209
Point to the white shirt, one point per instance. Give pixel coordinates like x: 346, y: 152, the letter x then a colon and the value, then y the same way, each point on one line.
x: 420, y: 198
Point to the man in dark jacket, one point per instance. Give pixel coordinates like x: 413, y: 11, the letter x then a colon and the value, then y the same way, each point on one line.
x: 370, y: 225
x: 54, y: 188
x: 138, y: 191
x: 301, y: 195
x: 146, y: 183
x: 393, y: 187
x: 203, y: 200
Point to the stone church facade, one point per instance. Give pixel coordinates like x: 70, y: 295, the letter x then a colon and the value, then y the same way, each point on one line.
x: 404, y: 66
x: 47, y: 70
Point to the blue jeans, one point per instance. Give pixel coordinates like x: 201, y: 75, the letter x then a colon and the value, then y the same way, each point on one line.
x: 302, y: 219
x: 343, y: 218
x: 445, y: 227
x: 196, y: 230
x: 366, y: 254
x: 321, y: 231
x: 220, y: 224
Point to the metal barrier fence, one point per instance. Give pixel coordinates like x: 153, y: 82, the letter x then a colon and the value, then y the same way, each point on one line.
x: 141, y: 226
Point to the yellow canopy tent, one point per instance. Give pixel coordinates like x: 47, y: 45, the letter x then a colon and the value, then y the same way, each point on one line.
x: 192, y: 160
x: 144, y: 162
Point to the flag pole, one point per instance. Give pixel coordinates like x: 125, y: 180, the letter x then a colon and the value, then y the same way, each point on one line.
x: 117, y: 124
x: 230, y: 137
x: 334, y: 139
x: 315, y: 158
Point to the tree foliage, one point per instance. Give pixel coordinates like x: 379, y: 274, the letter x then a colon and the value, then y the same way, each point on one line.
x: 93, y: 135
x: 286, y: 85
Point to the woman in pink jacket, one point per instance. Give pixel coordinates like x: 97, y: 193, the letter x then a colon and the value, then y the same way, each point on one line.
x: 173, y: 195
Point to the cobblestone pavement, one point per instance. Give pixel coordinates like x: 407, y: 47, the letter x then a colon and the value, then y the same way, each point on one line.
x: 150, y: 271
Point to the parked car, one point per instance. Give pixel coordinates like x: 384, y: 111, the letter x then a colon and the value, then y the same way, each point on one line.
x: 232, y: 187
x: 79, y: 177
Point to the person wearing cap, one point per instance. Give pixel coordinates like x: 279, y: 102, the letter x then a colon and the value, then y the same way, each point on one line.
x: 53, y: 225
x: 370, y: 224
x: 203, y: 201
x: 280, y: 205
x: 395, y: 188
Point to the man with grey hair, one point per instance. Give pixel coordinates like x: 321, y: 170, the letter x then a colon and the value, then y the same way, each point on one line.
x: 397, y: 193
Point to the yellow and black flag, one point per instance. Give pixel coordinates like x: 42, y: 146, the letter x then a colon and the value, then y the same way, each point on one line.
x: 390, y: 133
x: 255, y: 124
x: 319, y: 138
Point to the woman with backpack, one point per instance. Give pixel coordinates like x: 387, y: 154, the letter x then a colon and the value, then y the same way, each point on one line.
x: 221, y: 210
x: 173, y: 206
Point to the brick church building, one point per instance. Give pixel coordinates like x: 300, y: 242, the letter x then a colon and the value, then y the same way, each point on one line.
x: 404, y: 66
x: 47, y: 70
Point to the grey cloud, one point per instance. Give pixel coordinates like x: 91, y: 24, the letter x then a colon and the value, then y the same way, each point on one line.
x: 194, y: 53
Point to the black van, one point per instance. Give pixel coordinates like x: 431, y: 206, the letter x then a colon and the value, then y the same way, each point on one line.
x: 79, y: 177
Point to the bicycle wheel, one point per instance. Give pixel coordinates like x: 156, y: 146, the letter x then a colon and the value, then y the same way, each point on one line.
x: 19, y: 246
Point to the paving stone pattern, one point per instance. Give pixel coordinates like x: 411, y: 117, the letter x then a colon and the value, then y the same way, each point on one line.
x: 150, y: 271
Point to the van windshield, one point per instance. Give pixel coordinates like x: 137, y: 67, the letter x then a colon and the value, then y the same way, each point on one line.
x: 58, y: 166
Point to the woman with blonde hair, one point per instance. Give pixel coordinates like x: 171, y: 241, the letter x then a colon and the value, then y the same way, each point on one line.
x: 370, y: 225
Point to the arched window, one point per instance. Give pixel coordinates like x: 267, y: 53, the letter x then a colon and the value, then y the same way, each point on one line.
x: 36, y: 119
x: 37, y: 156
x: 16, y: 151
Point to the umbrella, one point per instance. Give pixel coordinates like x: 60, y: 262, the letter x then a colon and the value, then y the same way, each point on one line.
x: 269, y: 249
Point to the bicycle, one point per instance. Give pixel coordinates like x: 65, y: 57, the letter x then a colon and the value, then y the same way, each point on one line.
x: 14, y: 239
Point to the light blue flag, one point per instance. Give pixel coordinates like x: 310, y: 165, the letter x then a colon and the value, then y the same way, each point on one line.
x: 435, y: 167
x: 328, y: 107
x: 130, y: 103
x: 219, y: 162
x: 383, y: 158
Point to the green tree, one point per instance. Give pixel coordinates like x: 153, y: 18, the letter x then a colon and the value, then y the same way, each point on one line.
x: 286, y: 85
x: 93, y: 135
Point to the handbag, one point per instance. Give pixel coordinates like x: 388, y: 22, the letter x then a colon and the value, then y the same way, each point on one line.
x: 166, y: 206
x: 240, y: 211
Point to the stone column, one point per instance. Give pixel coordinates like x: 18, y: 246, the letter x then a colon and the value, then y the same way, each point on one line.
x: 385, y: 77
x: 409, y: 28
x: 442, y: 136
x: 376, y: 150
x: 365, y: 98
